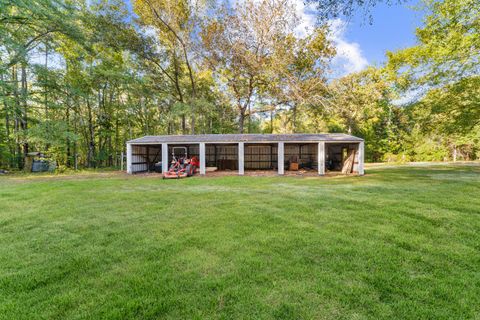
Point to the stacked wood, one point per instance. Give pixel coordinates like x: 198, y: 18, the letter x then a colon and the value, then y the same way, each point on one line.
x: 348, y: 163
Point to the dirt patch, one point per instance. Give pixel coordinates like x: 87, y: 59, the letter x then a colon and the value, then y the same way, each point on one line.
x: 20, y: 178
x: 250, y: 173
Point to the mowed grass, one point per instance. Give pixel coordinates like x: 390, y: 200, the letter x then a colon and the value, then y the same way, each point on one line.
x: 399, y: 243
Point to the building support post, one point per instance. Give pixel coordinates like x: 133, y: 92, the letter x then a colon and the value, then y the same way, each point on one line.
x: 281, y: 158
x: 321, y: 158
x: 165, y: 157
x: 241, y: 155
x: 148, y: 158
x: 202, y: 158
x: 129, y: 158
x: 361, y: 158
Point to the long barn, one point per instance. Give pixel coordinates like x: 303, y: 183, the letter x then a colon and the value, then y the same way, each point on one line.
x: 239, y: 152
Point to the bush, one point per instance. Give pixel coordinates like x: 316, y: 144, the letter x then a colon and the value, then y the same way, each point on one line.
x: 396, y: 158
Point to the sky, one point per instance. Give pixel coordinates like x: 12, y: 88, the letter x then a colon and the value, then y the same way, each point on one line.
x: 393, y: 28
x: 360, y: 43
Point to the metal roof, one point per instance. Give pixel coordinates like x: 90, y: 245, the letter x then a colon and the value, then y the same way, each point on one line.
x: 233, y: 138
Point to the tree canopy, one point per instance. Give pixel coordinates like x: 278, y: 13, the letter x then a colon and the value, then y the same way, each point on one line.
x: 79, y: 78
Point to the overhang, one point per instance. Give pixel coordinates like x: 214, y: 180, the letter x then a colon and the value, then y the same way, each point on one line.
x: 247, y: 138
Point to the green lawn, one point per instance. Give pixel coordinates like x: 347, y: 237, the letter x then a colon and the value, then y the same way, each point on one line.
x: 397, y: 243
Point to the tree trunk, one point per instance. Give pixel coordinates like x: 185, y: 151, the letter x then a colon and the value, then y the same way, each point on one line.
x: 294, y: 120
x: 117, y: 141
x: 24, y: 109
x: 7, y: 125
x: 67, y: 120
x: 75, y: 131
x: 184, y: 124
x: 241, y: 120
x: 271, y: 121
x: 192, y: 120
x: 68, y: 162
x: 249, y: 119
x: 91, y: 137
x: 101, y: 125
x: 16, y: 119
x: 110, y: 125
x: 45, y: 98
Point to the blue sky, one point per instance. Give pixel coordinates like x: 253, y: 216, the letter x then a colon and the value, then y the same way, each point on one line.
x: 393, y: 28
x: 360, y: 43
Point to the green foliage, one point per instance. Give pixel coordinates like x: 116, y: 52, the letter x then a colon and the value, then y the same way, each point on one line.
x: 80, y: 78
x: 361, y: 104
x: 5, y: 156
x: 24, y: 24
x: 449, y: 44
x: 444, y: 67
x: 429, y: 149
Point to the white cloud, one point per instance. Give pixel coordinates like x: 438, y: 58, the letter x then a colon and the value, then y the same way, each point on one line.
x: 349, y: 56
x: 306, y: 14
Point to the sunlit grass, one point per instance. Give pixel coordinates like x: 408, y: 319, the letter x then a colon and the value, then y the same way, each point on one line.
x: 400, y: 242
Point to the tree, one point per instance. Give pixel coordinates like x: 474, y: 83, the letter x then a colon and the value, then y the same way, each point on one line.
x: 361, y: 104
x: 25, y: 24
x: 334, y: 8
x: 448, y: 115
x: 297, y: 82
x: 448, y: 45
x: 173, y: 53
x: 444, y: 68
x: 240, y: 48
x: 80, y: 78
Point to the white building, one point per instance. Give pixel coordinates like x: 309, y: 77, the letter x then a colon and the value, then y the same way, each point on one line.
x: 240, y: 152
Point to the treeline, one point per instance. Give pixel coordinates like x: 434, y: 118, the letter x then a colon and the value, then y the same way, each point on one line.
x: 80, y: 78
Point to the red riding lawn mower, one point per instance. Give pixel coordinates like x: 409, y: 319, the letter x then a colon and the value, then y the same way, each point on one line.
x: 181, y: 166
